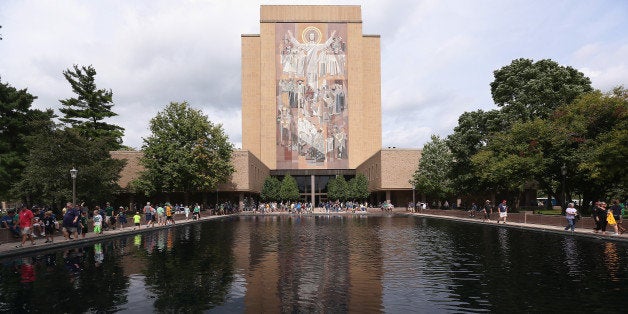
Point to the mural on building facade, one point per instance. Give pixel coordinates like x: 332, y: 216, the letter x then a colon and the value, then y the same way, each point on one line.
x: 312, y: 111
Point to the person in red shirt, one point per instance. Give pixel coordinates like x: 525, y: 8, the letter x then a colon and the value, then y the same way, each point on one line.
x: 26, y: 225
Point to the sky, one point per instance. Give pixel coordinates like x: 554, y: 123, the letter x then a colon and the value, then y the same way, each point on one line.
x: 437, y: 56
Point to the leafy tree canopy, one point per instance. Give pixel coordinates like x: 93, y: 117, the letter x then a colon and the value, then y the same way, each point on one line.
x: 473, y: 132
x: 433, y: 175
x: 594, y: 142
x: 527, y: 89
x: 90, y: 108
x: 185, y: 152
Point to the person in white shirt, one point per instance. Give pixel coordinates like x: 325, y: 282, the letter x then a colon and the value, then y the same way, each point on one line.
x: 570, y: 214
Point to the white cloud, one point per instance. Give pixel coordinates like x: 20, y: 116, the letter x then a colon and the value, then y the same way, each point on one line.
x: 437, y: 56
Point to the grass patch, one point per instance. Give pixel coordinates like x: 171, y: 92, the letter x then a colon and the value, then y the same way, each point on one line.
x: 550, y: 211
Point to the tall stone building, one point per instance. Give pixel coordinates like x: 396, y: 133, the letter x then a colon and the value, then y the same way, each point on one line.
x: 311, y: 106
x: 311, y: 98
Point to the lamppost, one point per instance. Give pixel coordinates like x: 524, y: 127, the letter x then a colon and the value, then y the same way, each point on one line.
x: 413, y: 202
x: 73, y: 173
x: 563, y: 170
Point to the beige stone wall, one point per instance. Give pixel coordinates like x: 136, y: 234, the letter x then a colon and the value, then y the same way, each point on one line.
x: 268, y: 86
x: 398, y: 166
x: 259, y: 81
x: 310, y: 13
x: 249, y: 174
x: 391, y: 169
x: 132, y: 169
x: 251, y: 98
x: 365, y: 108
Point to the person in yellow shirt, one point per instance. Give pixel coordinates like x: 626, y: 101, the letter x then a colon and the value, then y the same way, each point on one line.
x: 137, y: 219
x: 169, y: 217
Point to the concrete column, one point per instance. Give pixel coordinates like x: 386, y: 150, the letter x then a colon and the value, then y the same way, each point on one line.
x: 388, y: 196
x: 313, y: 190
x: 241, y: 201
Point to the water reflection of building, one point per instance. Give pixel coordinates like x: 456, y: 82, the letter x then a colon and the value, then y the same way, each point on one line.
x: 311, y: 108
x: 312, y: 262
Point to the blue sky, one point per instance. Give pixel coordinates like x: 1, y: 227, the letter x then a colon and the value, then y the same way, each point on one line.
x: 438, y: 57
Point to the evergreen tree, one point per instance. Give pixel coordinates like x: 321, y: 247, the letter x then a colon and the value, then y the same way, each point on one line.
x: 52, y: 153
x: 271, y: 189
x: 358, y: 187
x: 338, y: 189
x: 289, y: 190
x: 17, y: 122
x: 87, y: 112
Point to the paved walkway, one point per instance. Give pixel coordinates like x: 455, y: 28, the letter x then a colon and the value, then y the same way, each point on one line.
x: 581, y: 232
x: 9, y: 249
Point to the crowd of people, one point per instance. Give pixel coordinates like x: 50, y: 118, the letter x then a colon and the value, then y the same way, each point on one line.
x: 35, y: 222
x: 164, y: 214
x: 307, y: 207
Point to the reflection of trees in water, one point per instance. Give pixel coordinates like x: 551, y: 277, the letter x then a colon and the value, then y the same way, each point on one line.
x: 102, y: 286
x: 192, y: 275
x: 66, y: 282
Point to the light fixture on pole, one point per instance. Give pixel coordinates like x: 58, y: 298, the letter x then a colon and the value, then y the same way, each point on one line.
x: 563, y: 170
x: 73, y: 173
x: 413, y: 202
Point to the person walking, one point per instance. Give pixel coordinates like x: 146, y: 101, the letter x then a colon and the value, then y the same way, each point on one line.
x: 487, y: 210
x: 136, y: 220
x: 503, y: 211
x: 121, y: 217
x: 474, y: 209
x: 197, y: 211
x: 600, y: 216
x: 49, y: 226
x: 148, y: 214
x: 616, y: 211
x: 169, y: 214
x: 161, y: 216
x: 98, y: 219
x: 83, y: 224
x: 70, y: 221
x: 25, y: 221
x: 570, y: 214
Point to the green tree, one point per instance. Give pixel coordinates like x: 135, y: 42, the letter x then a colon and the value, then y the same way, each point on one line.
x: 90, y: 108
x: 592, y: 136
x: 270, y: 190
x: 52, y: 153
x: 184, y: 153
x: 527, y: 89
x: 17, y: 122
x: 289, y: 190
x: 358, y: 188
x: 338, y: 189
x: 472, y: 133
x: 515, y: 157
x: 433, y: 175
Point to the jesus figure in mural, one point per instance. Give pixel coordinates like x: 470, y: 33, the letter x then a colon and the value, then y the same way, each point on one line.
x: 312, y: 50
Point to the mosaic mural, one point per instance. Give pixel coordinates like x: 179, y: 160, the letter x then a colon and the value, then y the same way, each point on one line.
x: 312, y: 111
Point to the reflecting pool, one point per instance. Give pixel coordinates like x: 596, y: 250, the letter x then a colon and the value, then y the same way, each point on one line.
x: 392, y: 264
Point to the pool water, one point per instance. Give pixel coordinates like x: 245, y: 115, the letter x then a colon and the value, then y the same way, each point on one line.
x: 392, y: 264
